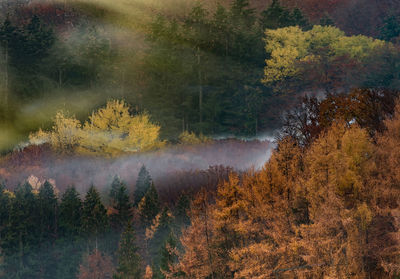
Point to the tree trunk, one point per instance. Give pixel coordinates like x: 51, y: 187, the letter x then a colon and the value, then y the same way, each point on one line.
x: 200, y: 89
x: 6, y: 77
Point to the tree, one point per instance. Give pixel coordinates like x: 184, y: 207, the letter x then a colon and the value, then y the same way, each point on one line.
x: 159, y: 233
x: 143, y: 183
x: 323, y: 57
x: 70, y: 241
x: 70, y: 219
x: 96, y: 265
x: 169, y: 254
x: 5, y: 207
x: 391, y: 28
x: 275, y: 16
x: 94, y: 215
x: 7, y: 41
x: 22, y: 233
x: 120, y: 204
x: 48, y: 214
x: 338, y: 164
x: 149, y: 206
x: 129, y: 261
x: 110, y: 131
x: 198, y: 260
x: 48, y: 207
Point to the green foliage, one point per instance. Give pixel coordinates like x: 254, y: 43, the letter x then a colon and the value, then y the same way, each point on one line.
x: 391, y: 28
x: 149, y: 206
x: 94, y: 215
x: 120, y: 203
x: 276, y: 16
x: 191, y: 138
x: 129, y: 261
x: 322, y: 56
x: 70, y: 213
x: 143, y: 183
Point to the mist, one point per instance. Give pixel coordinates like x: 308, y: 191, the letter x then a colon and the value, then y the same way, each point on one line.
x: 166, y: 166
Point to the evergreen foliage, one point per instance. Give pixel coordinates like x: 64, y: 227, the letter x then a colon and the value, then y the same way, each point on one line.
x: 149, y: 206
x: 143, y: 184
x: 129, y: 261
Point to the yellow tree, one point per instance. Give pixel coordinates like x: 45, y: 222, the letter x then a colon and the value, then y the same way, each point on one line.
x: 113, y: 130
x: 338, y: 164
x: 65, y: 135
x: 109, y: 131
x: 198, y: 259
x: 272, y: 209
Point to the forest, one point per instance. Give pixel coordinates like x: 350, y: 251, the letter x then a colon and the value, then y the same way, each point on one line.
x: 199, y: 139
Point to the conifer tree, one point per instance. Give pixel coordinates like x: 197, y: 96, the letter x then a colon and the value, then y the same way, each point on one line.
x: 5, y: 207
x: 158, y: 240
x: 47, y: 202
x: 120, y: 204
x: 95, y: 266
x: 70, y: 219
x: 69, y: 244
x: 94, y: 215
x: 149, y: 206
x: 181, y: 209
x: 129, y: 261
x: 22, y: 233
x: 48, y: 214
x: 143, y: 183
x: 168, y: 254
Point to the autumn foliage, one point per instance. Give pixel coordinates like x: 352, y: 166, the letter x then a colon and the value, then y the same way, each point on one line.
x: 326, y: 210
x: 108, y: 131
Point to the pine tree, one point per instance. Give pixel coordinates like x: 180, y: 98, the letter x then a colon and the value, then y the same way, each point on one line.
x: 391, y: 28
x: 149, y: 206
x: 129, y: 261
x: 120, y: 204
x: 158, y: 240
x: 22, y: 233
x: 7, y: 42
x: 181, y: 209
x: 48, y: 207
x: 70, y: 220
x: 275, y: 16
x: 95, y: 266
x: 168, y: 255
x: 69, y: 244
x: 48, y: 212
x: 143, y: 183
x: 5, y: 207
x: 94, y: 215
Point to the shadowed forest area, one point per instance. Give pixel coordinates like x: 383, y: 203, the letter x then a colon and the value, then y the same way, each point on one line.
x: 199, y: 139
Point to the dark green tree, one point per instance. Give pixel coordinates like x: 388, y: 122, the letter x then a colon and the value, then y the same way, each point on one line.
x: 143, y: 184
x: 94, y: 215
x: 181, y: 209
x: 70, y: 244
x: 22, y: 235
x: 149, y: 206
x: 70, y: 220
x: 158, y: 241
x: 7, y: 42
x: 275, y: 16
x: 5, y: 207
x: 120, y: 204
x: 48, y: 214
x: 48, y: 210
x: 326, y: 21
x: 129, y: 261
x: 390, y: 28
x: 168, y: 253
